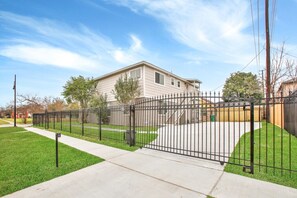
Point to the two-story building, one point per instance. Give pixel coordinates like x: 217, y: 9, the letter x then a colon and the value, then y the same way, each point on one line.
x: 156, y: 85
x: 153, y: 81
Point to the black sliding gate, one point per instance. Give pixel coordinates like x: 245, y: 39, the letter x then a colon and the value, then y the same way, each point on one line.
x: 198, y: 126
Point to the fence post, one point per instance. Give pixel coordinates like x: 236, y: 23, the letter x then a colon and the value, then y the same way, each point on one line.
x: 82, y: 122
x: 42, y: 119
x: 100, y: 129
x: 45, y: 119
x: 54, y: 113
x: 61, y: 121
x: 132, y: 126
x: 252, y: 138
x: 70, y: 121
x: 133, y: 131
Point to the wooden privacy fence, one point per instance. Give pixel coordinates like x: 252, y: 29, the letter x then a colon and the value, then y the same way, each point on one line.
x: 238, y: 114
x: 277, y: 115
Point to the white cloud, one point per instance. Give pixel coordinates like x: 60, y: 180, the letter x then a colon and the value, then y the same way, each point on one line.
x: 47, y: 55
x: 48, y: 42
x: 127, y: 56
x: 136, y: 44
x: 216, y: 30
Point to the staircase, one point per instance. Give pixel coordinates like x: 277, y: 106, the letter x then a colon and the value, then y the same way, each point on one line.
x: 177, y: 113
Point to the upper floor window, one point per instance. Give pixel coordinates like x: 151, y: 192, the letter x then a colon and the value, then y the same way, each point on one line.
x: 159, y: 78
x: 172, y: 81
x: 178, y: 83
x: 135, y: 74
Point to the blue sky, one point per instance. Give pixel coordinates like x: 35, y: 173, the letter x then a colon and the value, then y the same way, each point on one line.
x: 46, y: 42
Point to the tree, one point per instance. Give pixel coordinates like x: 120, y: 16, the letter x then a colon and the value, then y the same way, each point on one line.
x: 292, y: 73
x: 282, y: 68
x: 36, y: 104
x: 79, y: 89
x: 241, y: 85
x: 32, y: 104
x: 100, y: 101
x: 56, y: 104
x: 126, y: 90
x: 278, y: 70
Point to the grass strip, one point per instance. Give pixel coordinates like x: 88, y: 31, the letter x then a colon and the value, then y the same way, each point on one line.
x: 271, y: 143
x: 28, y: 159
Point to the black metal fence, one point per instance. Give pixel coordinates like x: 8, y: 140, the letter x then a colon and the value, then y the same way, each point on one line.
x: 196, y: 125
x: 290, y: 113
x: 92, y: 123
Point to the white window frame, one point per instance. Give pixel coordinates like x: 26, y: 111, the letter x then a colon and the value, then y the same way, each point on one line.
x: 172, y: 80
x: 178, y: 82
x: 155, y: 78
x: 140, y: 71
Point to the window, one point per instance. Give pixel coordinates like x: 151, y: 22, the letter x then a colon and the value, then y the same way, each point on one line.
x: 135, y: 74
x: 178, y: 83
x: 172, y: 81
x: 159, y: 78
x: 125, y: 109
x: 162, y: 107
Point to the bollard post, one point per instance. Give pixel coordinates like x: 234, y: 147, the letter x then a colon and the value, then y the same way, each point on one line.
x: 57, y: 149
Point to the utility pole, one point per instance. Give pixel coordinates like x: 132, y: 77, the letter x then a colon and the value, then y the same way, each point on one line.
x: 14, y: 108
x: 263, y: 83
x: 267, y: 60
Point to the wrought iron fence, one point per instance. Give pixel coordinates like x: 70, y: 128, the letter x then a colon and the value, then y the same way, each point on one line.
x: 196, y: 125
x: 290, y: 113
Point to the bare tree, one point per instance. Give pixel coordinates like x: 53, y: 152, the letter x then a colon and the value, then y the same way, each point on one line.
x: 34, y: 103
x: 292, y: 73
x: 278, y: 68
x: 38, y: 104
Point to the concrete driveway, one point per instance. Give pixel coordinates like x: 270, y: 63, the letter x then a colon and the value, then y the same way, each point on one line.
x: 211, y: 140
x: 148, y: 173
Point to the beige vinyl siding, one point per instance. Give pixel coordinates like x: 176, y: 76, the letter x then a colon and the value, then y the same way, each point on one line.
x: 154, y: 89
x: 106, y: 85
x: 287, y: 88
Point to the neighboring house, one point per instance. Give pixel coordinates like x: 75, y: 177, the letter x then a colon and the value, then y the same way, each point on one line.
x: 287, y: 86
x: 153, y: 81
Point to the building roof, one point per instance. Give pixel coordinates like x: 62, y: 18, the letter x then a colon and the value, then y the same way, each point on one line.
x: 193, y: 80
x: 129, y: 67
x: 290, y: 81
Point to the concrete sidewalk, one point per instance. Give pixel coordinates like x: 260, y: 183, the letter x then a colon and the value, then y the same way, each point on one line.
x: 10, y: 124
x: 148, y: 173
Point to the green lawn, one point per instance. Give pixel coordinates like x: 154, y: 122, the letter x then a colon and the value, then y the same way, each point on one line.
x: 109, y: 138
x: 104, y: 126
x: 280, y: 148
x: 28, y: 159
x: 3, y: 122
x: 111, y: 135
x: 19, y: 120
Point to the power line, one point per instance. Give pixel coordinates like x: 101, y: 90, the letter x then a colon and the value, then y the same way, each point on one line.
x: 252, y: 15
x: 288, y: 54
x: 258, y: 19
x: 272, y: 22
x: 244, y: 66
x: 252, y: 59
